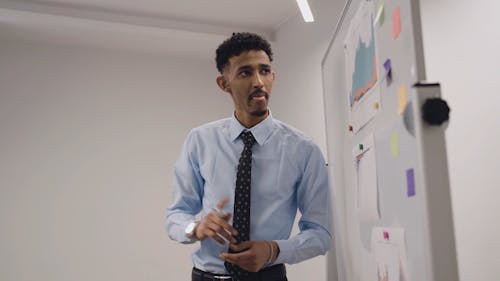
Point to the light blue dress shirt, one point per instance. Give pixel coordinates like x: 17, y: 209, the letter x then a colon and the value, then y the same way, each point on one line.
x: 288, y: 174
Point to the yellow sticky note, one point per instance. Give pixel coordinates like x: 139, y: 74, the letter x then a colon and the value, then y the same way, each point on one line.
x: 402, y: 99
x: 394, y: 145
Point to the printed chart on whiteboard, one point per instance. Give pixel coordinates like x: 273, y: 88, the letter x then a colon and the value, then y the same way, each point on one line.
x: 361, y: 67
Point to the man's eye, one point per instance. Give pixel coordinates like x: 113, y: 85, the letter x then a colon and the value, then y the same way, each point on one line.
x: 245, y: 73
x: 265, y: 71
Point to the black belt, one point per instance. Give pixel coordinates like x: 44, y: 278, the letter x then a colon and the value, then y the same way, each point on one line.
x: 272, y: 273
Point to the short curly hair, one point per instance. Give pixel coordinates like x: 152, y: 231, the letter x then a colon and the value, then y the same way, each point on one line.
x: 238, y: 43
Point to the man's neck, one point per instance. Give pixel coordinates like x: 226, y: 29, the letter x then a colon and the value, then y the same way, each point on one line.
x: 248, y: 121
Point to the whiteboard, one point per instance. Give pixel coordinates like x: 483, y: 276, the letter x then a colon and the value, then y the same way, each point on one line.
x: 378, y: 143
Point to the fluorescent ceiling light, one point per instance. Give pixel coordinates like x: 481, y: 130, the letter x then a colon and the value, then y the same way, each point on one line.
x: 305, y: 10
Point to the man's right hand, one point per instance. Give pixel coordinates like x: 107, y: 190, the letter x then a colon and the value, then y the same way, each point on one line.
x: 215, y: 226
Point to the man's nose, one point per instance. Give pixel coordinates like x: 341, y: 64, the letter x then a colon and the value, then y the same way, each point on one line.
x: 257, y: 81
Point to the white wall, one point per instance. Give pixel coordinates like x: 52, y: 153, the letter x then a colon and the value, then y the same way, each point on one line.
x: 299, y: 49
x: 461, y: 44
x: 88, y: 141
x: 89, y: 138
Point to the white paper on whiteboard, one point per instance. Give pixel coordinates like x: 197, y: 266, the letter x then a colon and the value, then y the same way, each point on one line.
x: 366, y: 179
x: 387, y: 259
x: 383, y: 237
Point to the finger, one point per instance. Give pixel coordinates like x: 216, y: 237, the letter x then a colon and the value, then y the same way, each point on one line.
x: 212, y: 234
x: 221, y: 231
x: 238, y: 258
x: 222, y: 203
x: 242, y: 246
x: 227, y: 217
x: 224, y: 224
x: 230, y: 258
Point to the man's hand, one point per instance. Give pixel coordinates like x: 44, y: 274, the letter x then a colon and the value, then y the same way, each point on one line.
x: 215, y: 226
x: 252, y: 256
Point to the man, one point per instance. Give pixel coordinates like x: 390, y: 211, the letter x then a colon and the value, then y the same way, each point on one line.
x: 248, y: 175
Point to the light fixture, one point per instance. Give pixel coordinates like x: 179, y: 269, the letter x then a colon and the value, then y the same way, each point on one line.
x: 305, y: 10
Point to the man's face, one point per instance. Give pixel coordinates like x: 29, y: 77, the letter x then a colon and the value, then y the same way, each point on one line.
x: 248, y: 78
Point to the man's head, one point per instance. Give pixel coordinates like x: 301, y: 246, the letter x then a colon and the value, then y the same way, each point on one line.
x: 244, y: 61
x: 238, y: 43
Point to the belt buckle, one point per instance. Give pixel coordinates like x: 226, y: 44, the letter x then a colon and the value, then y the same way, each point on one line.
x: 221, y: 277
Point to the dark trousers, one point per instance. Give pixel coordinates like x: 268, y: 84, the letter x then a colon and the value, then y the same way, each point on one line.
x: 273, y: 273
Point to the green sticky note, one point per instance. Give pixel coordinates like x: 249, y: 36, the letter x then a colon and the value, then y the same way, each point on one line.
x: 380, y: 18
x: 394, y: 145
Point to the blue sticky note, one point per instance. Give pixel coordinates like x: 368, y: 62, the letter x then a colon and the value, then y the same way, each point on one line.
x: 410, y: 182
x: 388, y: 68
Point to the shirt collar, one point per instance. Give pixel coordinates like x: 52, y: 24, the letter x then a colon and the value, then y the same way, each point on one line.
x: 261, y: 132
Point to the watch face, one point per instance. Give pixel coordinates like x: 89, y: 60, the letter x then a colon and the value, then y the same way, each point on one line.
x: 190, y: 228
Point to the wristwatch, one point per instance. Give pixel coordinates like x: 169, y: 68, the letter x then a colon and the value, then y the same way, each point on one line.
x: 191, y: 227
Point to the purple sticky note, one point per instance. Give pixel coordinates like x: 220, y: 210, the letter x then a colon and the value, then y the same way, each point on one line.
x: 386, y: 235
x: 410, y: 182
x: 388, y: 68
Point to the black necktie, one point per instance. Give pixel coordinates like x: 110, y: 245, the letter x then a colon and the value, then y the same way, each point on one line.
x: 241, y: 219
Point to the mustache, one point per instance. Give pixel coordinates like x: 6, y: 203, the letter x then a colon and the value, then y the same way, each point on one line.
x: 257, y: 92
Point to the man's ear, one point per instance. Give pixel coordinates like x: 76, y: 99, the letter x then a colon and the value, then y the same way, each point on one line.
x: 223, y: 84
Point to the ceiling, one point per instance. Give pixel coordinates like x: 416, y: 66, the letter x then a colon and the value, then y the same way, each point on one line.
x: 184, y: 27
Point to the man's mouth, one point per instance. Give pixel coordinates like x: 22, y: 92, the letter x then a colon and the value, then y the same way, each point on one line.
x: 258, y: 96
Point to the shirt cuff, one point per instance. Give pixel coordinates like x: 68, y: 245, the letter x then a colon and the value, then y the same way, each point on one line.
x: 178, y: 233
x: 287, y: 251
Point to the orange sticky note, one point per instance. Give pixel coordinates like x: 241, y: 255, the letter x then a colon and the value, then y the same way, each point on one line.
x: 402, y: 99
x: 396, y: 22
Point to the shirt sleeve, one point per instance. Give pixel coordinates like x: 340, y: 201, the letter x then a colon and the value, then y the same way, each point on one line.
x: 188, y: 192
x: 313, y: 197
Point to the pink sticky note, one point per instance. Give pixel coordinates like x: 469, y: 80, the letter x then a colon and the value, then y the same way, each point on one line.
x: 396, y: 22
x: 386, y: 235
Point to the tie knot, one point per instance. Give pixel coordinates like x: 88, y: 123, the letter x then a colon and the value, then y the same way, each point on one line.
x: 247, y: 138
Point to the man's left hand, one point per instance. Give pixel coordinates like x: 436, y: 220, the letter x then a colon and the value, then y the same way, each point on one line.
x: 252, y: 256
